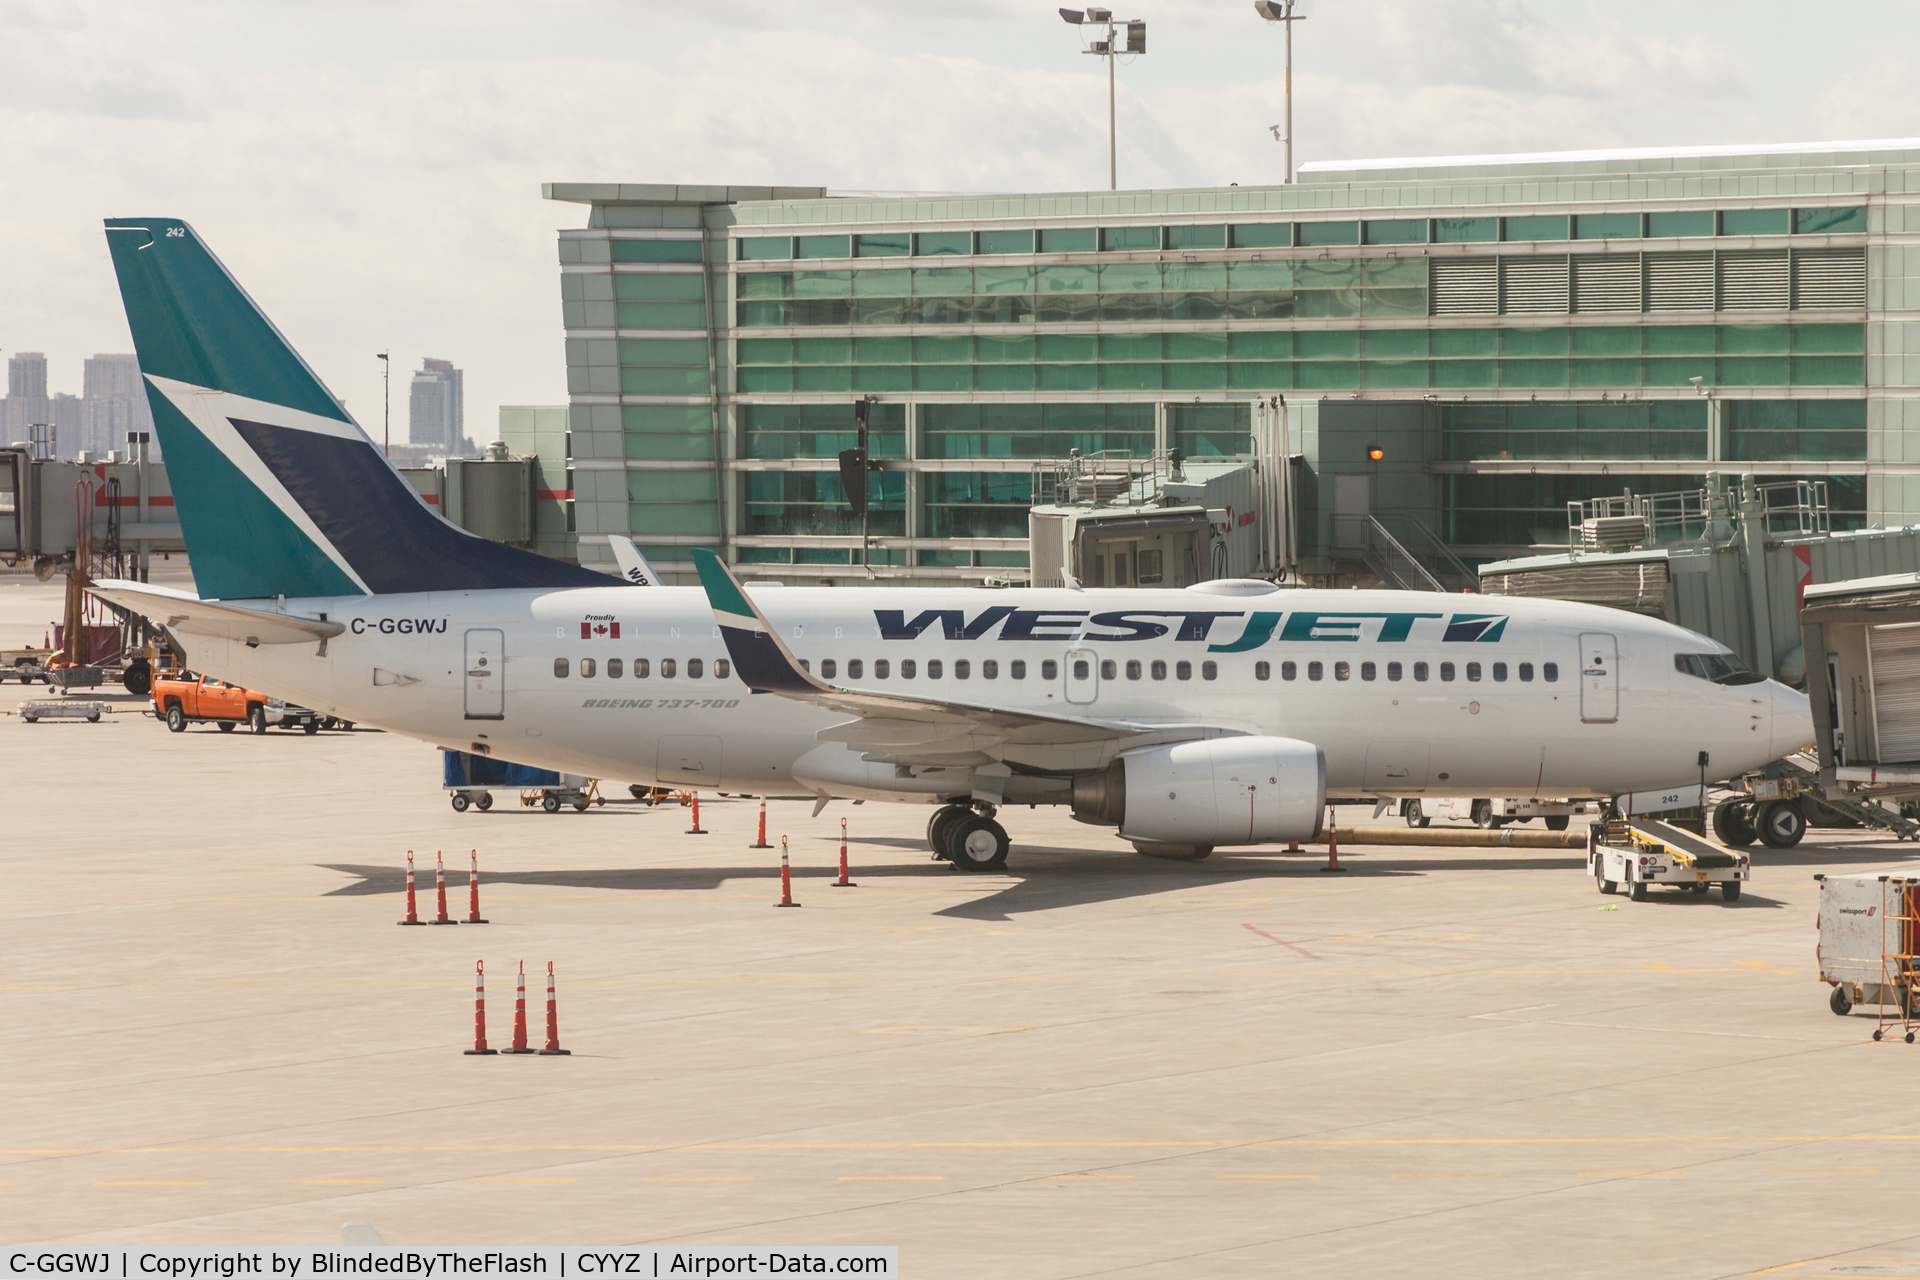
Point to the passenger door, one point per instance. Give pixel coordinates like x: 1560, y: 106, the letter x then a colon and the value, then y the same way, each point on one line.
x: 1083, y: 676
x: 485, y: 674
x: 1599, y: 678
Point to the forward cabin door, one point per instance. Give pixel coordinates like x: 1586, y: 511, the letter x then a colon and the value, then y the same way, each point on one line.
x: 486, y: 674
x: 1599, y: 678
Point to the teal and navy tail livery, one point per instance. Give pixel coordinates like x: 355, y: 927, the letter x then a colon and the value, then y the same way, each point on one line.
x: 278, y: 491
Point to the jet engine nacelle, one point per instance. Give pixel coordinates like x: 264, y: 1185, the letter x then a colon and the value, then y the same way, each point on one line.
x: 1224, y: 791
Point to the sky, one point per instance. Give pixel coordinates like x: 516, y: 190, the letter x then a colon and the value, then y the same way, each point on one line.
x: 371, y: 171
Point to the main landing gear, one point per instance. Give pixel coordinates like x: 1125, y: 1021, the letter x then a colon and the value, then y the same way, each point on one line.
x: 968, y: 838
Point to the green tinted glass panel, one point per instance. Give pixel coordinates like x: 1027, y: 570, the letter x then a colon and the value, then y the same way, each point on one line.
x: 1196, y: 277
x: 883, y: 377
x: 1196, y: 346
x: 661, y: 315
x: 823, y: 350
x: 1681, y: 223
x: 1003, y: 377
x: 1113, y: 239
x: 1536, y: 226
x: 1197, y: 376
x: 663, y: 351
x: 1394, y: 344
x: 1388, y: 374
x: 765, y: 248
x: 764, y: 284
x: 1606, y: 226
x: 823, y: 378
x: 1452, y: 343
x: 1346, y: 273
x: 1006, y: 242
x: 1130, y: 377
x: 761, y: 555
x: 758, y: 380
x: 1067, y: 377
x: 1074, y: 347
x: 1619, y: 372
x: 1621, y: 340
x: 1755, y: 222
x: 1404, y: 303
x: 675, y: 381
x: 1465, y: 230
x: 943, y: 377
x: 1211, y: 430
x: 671, y: 486
x: 1678, y: 371
x: 822, y: 284
x: 1130, y: 346
x: 941, y: 350
x: 679, y: 286
x: 1829, y: 371
x: 884, y: 350
x: 817, y: 430
x: 765, y: 313
x: 1401, y: 272
x: 942, y: 281
x: 1789, y: 430
x: 1753, y: 339
x: 1326, y: 375
x: 1197, y: 237
x: 1262, y: 235
x: 659, y: 447
x: 823, y: 247
x: 1325, y: 344
x: 764, y: 351
x: 891, y: 244
x: 1003, y: 280
x: 1751, y: 371
x: 1534, y: 342
x: 1260, y: 275
x: 1835, y: 339
x: 1069, y: 240
x: 656, y: 250
x: 1832, y: 222
x: 944, y: 559
x: 1003, y: 349
x: 1396, y: 231
x: 881, y: 284
x: 1679, y: 339
x: 1272, y: 344
x: 669, y: 518
x: 1464, y: 373
x: 667, y: 417
x: 1328, y: 233
x: 931, y: 243
x: 1130, y: 277
x: 1261, y: 375
x: 1533, y: 373
x: 656, y: 554
x: 1066, y: 279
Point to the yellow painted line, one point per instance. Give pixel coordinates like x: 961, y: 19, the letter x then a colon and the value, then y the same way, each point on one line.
x: 1634, y: 1173
x: 1823, y: 1171
x: 697, y: 1179
x: 1265, y: 1177
x: 517, y: 1180
x: 1446, y: 1175
x: 905, y: 1177
x: 1083, y: 1177
x: 149, y: 1184
x: 339, y: 1182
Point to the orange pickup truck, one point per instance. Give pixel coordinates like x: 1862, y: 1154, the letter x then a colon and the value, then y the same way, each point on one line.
x: 190, y: 699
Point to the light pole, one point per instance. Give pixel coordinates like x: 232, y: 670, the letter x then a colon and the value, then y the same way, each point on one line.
x: 1136, y: 43
x: 1282, y: 11
x: 386, y: 404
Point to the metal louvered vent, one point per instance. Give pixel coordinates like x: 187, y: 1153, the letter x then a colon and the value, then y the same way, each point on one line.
x: 1829, y: 279
x: 1466, y: 286
x: 1680, y: 281
x: 1755, y: 280
x: 1606, y: 282
x: 1534, y: 285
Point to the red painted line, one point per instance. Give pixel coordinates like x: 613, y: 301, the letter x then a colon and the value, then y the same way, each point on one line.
x: 555, y: 495
x: 1282, y: 941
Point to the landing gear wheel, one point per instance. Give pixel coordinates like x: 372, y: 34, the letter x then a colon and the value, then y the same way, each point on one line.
x: 941, y: 823
x: 311, y: 726
x: 1730, y: 890
x: 1482, y: 813
x: 138, y: 679
x: 637, y: 791
x: 176, y: 720
x: 1733, y: 823
x: 1412, y: 812
x: 1780, y: 824
x: 580, y: 805
x: 1600, y: 878
x: 1839, y: 1002
x: 1637, y: 890
x: 977, y: 844
x: 551, y: 803
x: 1558, y: 822
x: 226, y: 726
x: 484, y: 801
x: 460, y: 802
x: 257, y: 718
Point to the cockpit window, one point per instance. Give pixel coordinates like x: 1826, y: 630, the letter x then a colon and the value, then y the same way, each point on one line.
x: 1721, y: 668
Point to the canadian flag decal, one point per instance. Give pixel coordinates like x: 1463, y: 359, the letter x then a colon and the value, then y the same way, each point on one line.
x: 600, y: 630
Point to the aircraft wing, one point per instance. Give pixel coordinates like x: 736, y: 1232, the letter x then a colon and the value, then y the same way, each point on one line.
x: 179, y: 612
x: 900, y: 727
x: 633, y: 566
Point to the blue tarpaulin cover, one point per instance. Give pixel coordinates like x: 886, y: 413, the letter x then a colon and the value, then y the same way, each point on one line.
x: 464, y: 769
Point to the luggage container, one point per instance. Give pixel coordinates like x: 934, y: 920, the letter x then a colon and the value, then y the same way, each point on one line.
x: 472, y: 779
x: 1869, y: 935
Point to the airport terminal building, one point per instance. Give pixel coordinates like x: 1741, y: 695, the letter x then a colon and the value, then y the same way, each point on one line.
x: 1465, y: 343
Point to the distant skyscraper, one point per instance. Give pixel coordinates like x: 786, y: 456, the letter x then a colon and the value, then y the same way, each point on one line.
x: 436, y: 408
x: 27, y: 401
x: 115, y: 403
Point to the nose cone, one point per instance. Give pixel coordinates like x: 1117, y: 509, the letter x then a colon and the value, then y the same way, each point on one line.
x: 1792, y: 720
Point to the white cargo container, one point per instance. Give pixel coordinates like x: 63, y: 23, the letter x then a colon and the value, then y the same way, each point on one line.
x: 1867, y: 941
x: 1491, y: 813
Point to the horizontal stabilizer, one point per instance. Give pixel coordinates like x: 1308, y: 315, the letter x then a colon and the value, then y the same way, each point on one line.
x: 179, y: 612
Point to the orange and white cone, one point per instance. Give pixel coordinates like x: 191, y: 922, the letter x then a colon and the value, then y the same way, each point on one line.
x: 695, y: 829
x: 553, y: 1020
x: 1333, y: 846
x: 440, y: 884
x: 413, y: 914
x: 480, y: 1011
x: 786, y: 878
x: 843, y: 882
x: 520, y: 1013
x: 760, y: 841
x: 473, y: 887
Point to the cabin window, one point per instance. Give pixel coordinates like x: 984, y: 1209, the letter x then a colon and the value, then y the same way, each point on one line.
x: 804, y: 666
x: 615, y: 668
x: 908, y: 668
x: 721, y: 668
x: 1289, y: 671
x: 1473, y: 671
x: 990, y: 670
x: 961, y: 669
x: 1446, y: 671
x: 640, y: 668
x: 1049, y: 670
x: 1393, y: 671
x: 1526, y: 672
x: 586, y: 668
x: 1261, y: 671
x: 560, y: 667
x: 1419, y: 671
x: 1550, y: 671
x: 1499, y: 671
x: 1159, y: 670
x: 855, y: 668
x: 1081, y: 670
x: 934, y: 668
x: 1133, y: 668
x: 667, y: 668
x: 1315, y: 671
x: 1108, y: 671
x: 1209, y: 671
x: 1183, y: 671
x: 693, y: 668
x: 881, y: 668
x: 1368, y: 671
x: 1342, y: 671
x: 1017, y: 669
x: 827, y: 668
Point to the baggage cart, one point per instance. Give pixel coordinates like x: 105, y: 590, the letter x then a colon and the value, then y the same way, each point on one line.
x: 1869, y: 935
x: 472, y: 779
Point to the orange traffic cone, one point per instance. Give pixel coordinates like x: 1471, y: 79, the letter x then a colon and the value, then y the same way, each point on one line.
x: 473, y: 888
x: 843, y: 882
x: 480, y: 1011
x: 553, y: 1020
x: 520, y: 1013
x: 413, y: 915
x: 786, y: 879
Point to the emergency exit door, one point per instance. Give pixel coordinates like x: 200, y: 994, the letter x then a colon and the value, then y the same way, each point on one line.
x: 1599, y: 678
x: 486, y: 675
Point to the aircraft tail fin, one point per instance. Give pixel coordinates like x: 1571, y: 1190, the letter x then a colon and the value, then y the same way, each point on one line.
x: 633, y: 566
x: 277, y: 489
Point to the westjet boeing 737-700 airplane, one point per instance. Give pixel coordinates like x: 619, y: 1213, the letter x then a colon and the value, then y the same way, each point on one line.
x: 1220, y: 714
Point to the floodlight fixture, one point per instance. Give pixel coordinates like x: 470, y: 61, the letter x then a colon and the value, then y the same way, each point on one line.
x: 1073, y: 16
x: 1283, y: 12
x: 1110, y: 49
x: 1097, y: 14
